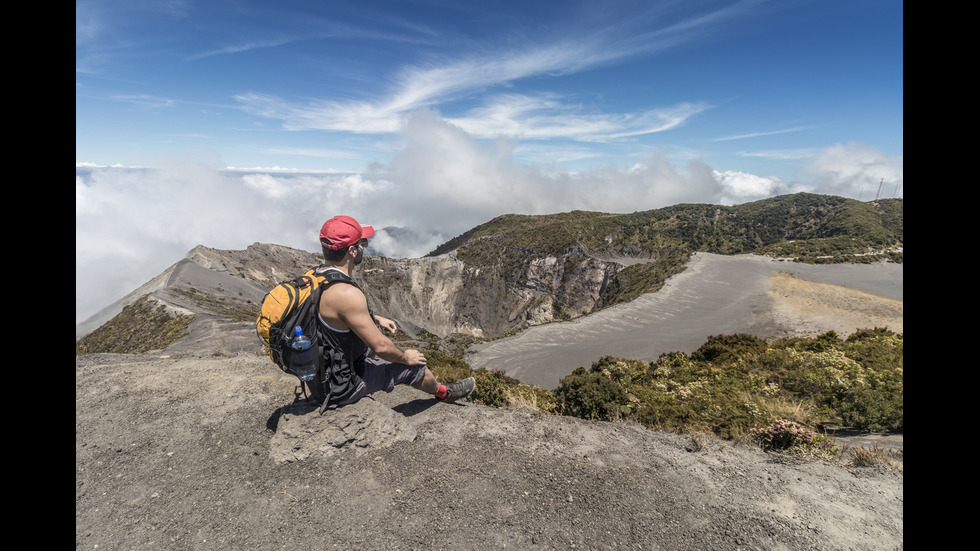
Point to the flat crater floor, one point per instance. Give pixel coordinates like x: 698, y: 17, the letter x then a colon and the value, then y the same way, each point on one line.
x: 715, y: 295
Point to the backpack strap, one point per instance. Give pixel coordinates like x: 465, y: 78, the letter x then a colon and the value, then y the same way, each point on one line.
x: 331, y: 275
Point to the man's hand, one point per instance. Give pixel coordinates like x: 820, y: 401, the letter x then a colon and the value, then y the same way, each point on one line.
x: 386, y: 324
x: 413, y: 357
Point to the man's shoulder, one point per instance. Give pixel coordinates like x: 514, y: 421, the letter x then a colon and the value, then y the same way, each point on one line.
x: 342, y: 288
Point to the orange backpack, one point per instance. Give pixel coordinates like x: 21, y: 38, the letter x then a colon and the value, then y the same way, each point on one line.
x: 290, y: 304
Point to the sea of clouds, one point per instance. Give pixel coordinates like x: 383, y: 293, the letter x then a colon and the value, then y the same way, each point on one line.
x: 132, y: 223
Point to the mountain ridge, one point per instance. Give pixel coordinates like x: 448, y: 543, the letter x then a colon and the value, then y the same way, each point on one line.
x: 518, y: 271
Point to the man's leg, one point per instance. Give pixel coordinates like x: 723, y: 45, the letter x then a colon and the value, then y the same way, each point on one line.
x: 428, y: 384
x: 379, y: 374
x: 449, y: 393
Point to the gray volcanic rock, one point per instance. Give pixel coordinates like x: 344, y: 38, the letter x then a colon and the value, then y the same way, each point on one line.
x: 303, y: 433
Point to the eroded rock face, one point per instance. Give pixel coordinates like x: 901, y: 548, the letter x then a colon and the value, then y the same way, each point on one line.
x: 444, y: 296
x: 423, y: 292
x: 580, y: 288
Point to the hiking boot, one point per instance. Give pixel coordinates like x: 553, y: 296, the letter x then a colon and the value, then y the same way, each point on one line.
x: 460, y: 389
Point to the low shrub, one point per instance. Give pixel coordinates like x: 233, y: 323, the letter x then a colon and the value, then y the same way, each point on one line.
x: 794, y: 439
x: 590, y: 396
x: 142, y: 326
x: 493, y: 388
x: 871, y: 410
x: 727, y: 348
x: 728, y: 386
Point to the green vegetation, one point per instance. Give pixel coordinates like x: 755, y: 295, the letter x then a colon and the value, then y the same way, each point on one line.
x: 638, y: 279
x: 686, y: 228
x: 732, y: 386
x: 142, y: 326
x: 493, y: 388
x: 875, y: 456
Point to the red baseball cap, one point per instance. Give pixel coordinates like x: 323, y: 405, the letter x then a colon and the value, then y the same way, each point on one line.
x: 343, y: 231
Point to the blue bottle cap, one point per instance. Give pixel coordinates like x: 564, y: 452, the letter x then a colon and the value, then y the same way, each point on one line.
x: 298, y: 330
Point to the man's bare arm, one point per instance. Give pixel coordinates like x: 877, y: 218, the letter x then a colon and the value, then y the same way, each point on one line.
x: 352, y: 308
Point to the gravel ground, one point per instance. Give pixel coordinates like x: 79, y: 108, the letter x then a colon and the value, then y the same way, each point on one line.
x: 200, y: 451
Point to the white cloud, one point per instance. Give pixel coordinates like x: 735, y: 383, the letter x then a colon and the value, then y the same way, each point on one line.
x: 739, y: 187
x: 760, y: 134
x: 132, y: 224
x: 444, y: 172
x: 358, y: 117
x: 549, y: 116
x: 856, y: 170
x: 449, y: 79
x: 781, y: 154
x: 267, y: 184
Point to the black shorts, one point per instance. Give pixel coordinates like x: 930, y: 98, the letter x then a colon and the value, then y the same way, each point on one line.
x: 378, y: 374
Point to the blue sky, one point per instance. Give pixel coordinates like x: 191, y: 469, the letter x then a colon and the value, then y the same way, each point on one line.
x: 438, y: 115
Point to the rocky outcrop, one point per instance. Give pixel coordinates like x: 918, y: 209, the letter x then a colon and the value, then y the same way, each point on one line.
x: 365, y: 426
x: 570, y: 285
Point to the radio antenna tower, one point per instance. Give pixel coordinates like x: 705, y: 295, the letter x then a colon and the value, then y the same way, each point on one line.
x: 877, y: 195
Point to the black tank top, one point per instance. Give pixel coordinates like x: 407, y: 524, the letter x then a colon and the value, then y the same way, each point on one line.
x: 343, y: 355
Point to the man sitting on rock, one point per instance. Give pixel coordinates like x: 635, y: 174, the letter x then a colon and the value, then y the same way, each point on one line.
x: 361, y: 359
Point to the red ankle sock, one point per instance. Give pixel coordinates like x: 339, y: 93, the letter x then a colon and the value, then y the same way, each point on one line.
x: 442, y: 392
